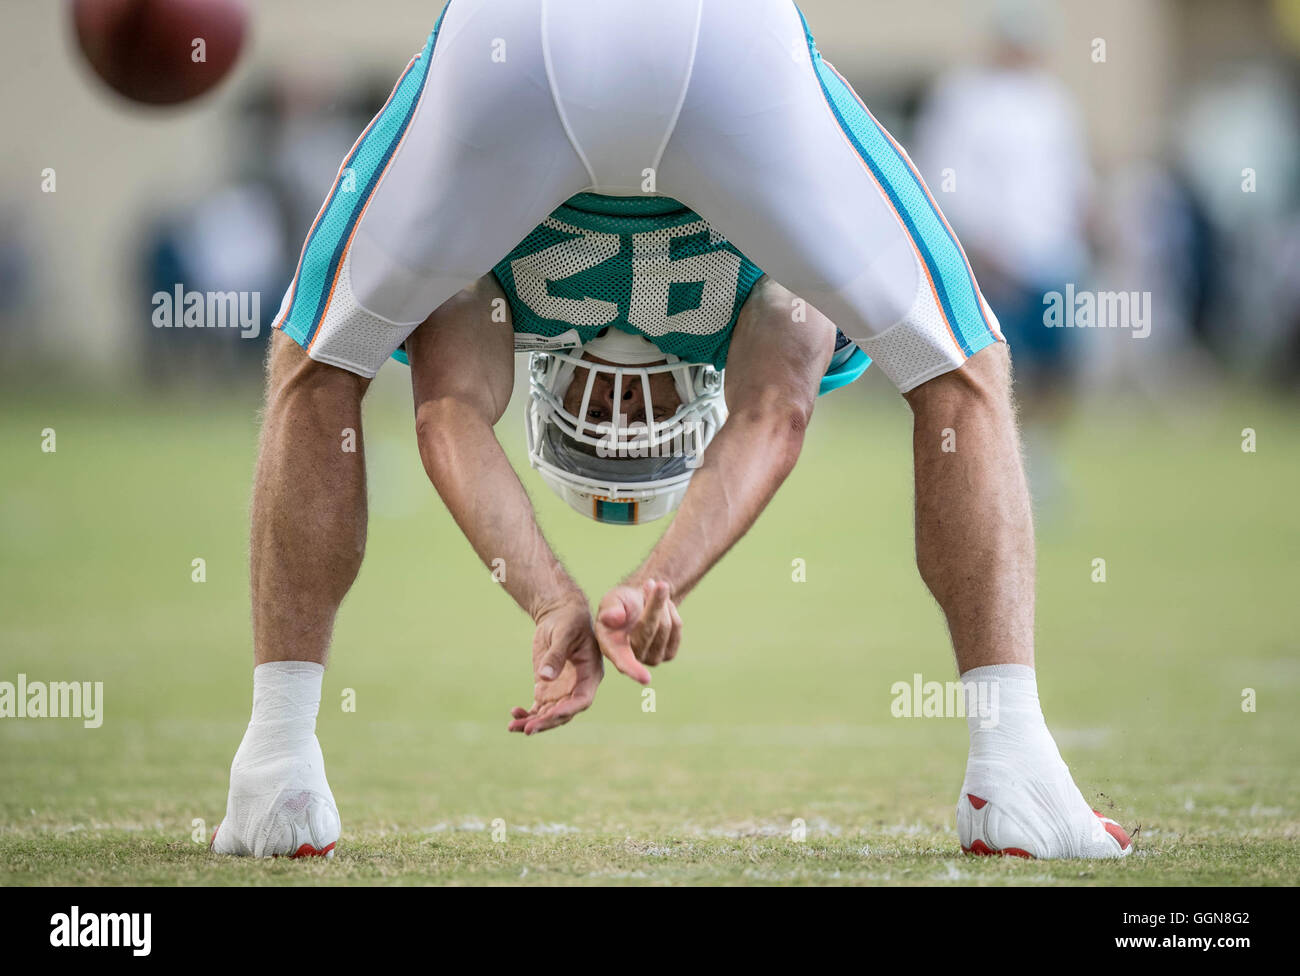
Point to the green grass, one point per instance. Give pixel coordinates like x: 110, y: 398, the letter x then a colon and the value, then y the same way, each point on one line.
x: 777, y: 708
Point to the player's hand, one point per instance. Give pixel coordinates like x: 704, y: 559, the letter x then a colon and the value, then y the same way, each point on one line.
x: 567, y: 667
x: 638, y: 625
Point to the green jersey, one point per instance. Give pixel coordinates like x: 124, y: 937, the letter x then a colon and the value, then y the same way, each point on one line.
x: 647, y: 265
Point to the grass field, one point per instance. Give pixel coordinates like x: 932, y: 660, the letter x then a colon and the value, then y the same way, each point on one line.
x: 777, y: 708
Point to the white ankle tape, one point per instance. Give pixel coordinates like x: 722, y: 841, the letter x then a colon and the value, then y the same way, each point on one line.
x: 1010, y: 691
x: 1018, y: 735
x: 286, y: 699
x: 287, y: 691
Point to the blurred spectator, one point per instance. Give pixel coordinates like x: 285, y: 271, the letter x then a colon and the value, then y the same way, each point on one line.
x: 1003, y: 146
x: 230, y: 241
x: 1155, y: 237
x: 291, y: 134
x: 1240, y: 144
x: 17, y: 283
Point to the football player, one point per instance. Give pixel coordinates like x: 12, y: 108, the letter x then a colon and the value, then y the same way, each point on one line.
x: 636, y: 166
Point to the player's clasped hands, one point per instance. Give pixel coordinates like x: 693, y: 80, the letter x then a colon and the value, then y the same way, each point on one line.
x: 636, y: 625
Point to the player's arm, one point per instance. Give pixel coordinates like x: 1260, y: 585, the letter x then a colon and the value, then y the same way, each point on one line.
x: 462, y: 374
x: 774, y: 369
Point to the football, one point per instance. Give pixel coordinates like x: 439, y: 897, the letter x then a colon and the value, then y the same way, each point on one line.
x: 160, y: 52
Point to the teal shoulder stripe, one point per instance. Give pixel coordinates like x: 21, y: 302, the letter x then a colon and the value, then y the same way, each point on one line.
x: 943, y: 256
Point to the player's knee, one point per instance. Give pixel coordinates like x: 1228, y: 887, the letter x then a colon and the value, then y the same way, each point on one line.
x: 293, y: 375
x: 983, y: 381
x: 990, y: 374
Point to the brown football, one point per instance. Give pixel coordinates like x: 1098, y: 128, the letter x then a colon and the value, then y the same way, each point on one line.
x: 160, y: 52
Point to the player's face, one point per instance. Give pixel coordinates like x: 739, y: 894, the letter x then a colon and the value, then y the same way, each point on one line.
x: 663, y: 394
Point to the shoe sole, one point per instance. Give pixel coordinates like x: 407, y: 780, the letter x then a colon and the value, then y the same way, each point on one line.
x: 306, y: 850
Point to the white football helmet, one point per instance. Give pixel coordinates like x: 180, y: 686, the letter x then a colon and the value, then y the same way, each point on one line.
x: 614, y: 471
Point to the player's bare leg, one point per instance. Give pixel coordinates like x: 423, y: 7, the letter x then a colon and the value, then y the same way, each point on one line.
x: 309, y: 504
x: 974, y: 531
x: 308, y: 537
x: 975, y: 551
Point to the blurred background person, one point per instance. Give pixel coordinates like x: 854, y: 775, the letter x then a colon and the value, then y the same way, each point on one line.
x: 1237, y: 137
x: 1003, y: 146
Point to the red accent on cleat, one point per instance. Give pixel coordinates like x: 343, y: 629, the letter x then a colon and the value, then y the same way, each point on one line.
x: 1116, y: 831
x: 975, y: 801
x: 982, y: 849
x: 306, y: 850
x: 213, y: 839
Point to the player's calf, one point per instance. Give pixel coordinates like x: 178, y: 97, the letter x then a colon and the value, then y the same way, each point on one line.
x: 309, y: 504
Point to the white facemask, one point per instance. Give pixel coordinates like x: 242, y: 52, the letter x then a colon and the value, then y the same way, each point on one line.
x: 615, y: 471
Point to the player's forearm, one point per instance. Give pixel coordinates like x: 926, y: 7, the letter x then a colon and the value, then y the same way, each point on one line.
x: 743, y: 468
x: 474, y: 478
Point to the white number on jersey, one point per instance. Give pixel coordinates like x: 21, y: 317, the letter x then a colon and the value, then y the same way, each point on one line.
x: 560, y: 261
x: 654, y: 272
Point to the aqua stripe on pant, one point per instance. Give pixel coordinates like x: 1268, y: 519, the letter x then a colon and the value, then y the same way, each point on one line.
x: 944, y: 259
x: 360, y: 175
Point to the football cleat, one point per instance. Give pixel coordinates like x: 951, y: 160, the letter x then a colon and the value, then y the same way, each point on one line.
x: 1038, y: 826
x: 281, y: 808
